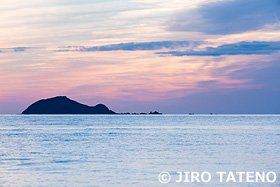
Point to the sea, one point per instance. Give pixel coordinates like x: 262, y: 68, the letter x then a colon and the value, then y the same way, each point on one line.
x: 139, y: 150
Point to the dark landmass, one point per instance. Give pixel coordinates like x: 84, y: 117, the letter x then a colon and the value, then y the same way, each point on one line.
x: 64, y: 105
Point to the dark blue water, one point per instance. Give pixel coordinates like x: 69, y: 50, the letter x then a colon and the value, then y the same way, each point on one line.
x: 119, y: 150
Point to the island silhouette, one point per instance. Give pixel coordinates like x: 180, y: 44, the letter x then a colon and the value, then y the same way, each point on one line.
x: 64, y: 105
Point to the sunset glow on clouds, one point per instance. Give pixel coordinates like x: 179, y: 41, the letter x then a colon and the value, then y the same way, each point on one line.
x: 172, y: 56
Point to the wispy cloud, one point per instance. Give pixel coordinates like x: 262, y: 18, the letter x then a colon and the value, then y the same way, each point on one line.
x: 227, y: 17
x: 241, y: 48
x: 263, y: 97
x: 135, y: 46
x: 55, y: 23
x: 14, y: 49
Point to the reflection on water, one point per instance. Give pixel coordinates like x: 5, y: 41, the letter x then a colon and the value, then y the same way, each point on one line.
x: 115, y: 150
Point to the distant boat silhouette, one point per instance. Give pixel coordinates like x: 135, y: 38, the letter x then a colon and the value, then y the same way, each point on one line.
x: 64, y: 105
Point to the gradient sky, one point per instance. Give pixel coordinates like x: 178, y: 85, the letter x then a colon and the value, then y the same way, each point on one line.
x: 179, y: 56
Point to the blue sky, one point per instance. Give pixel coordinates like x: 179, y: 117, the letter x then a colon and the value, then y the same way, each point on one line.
x: 219, y: 56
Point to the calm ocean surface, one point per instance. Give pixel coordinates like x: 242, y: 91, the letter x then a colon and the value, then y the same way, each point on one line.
x: 120, y: 150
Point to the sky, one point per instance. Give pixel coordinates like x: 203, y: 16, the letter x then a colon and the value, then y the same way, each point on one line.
x: 179, y: 56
